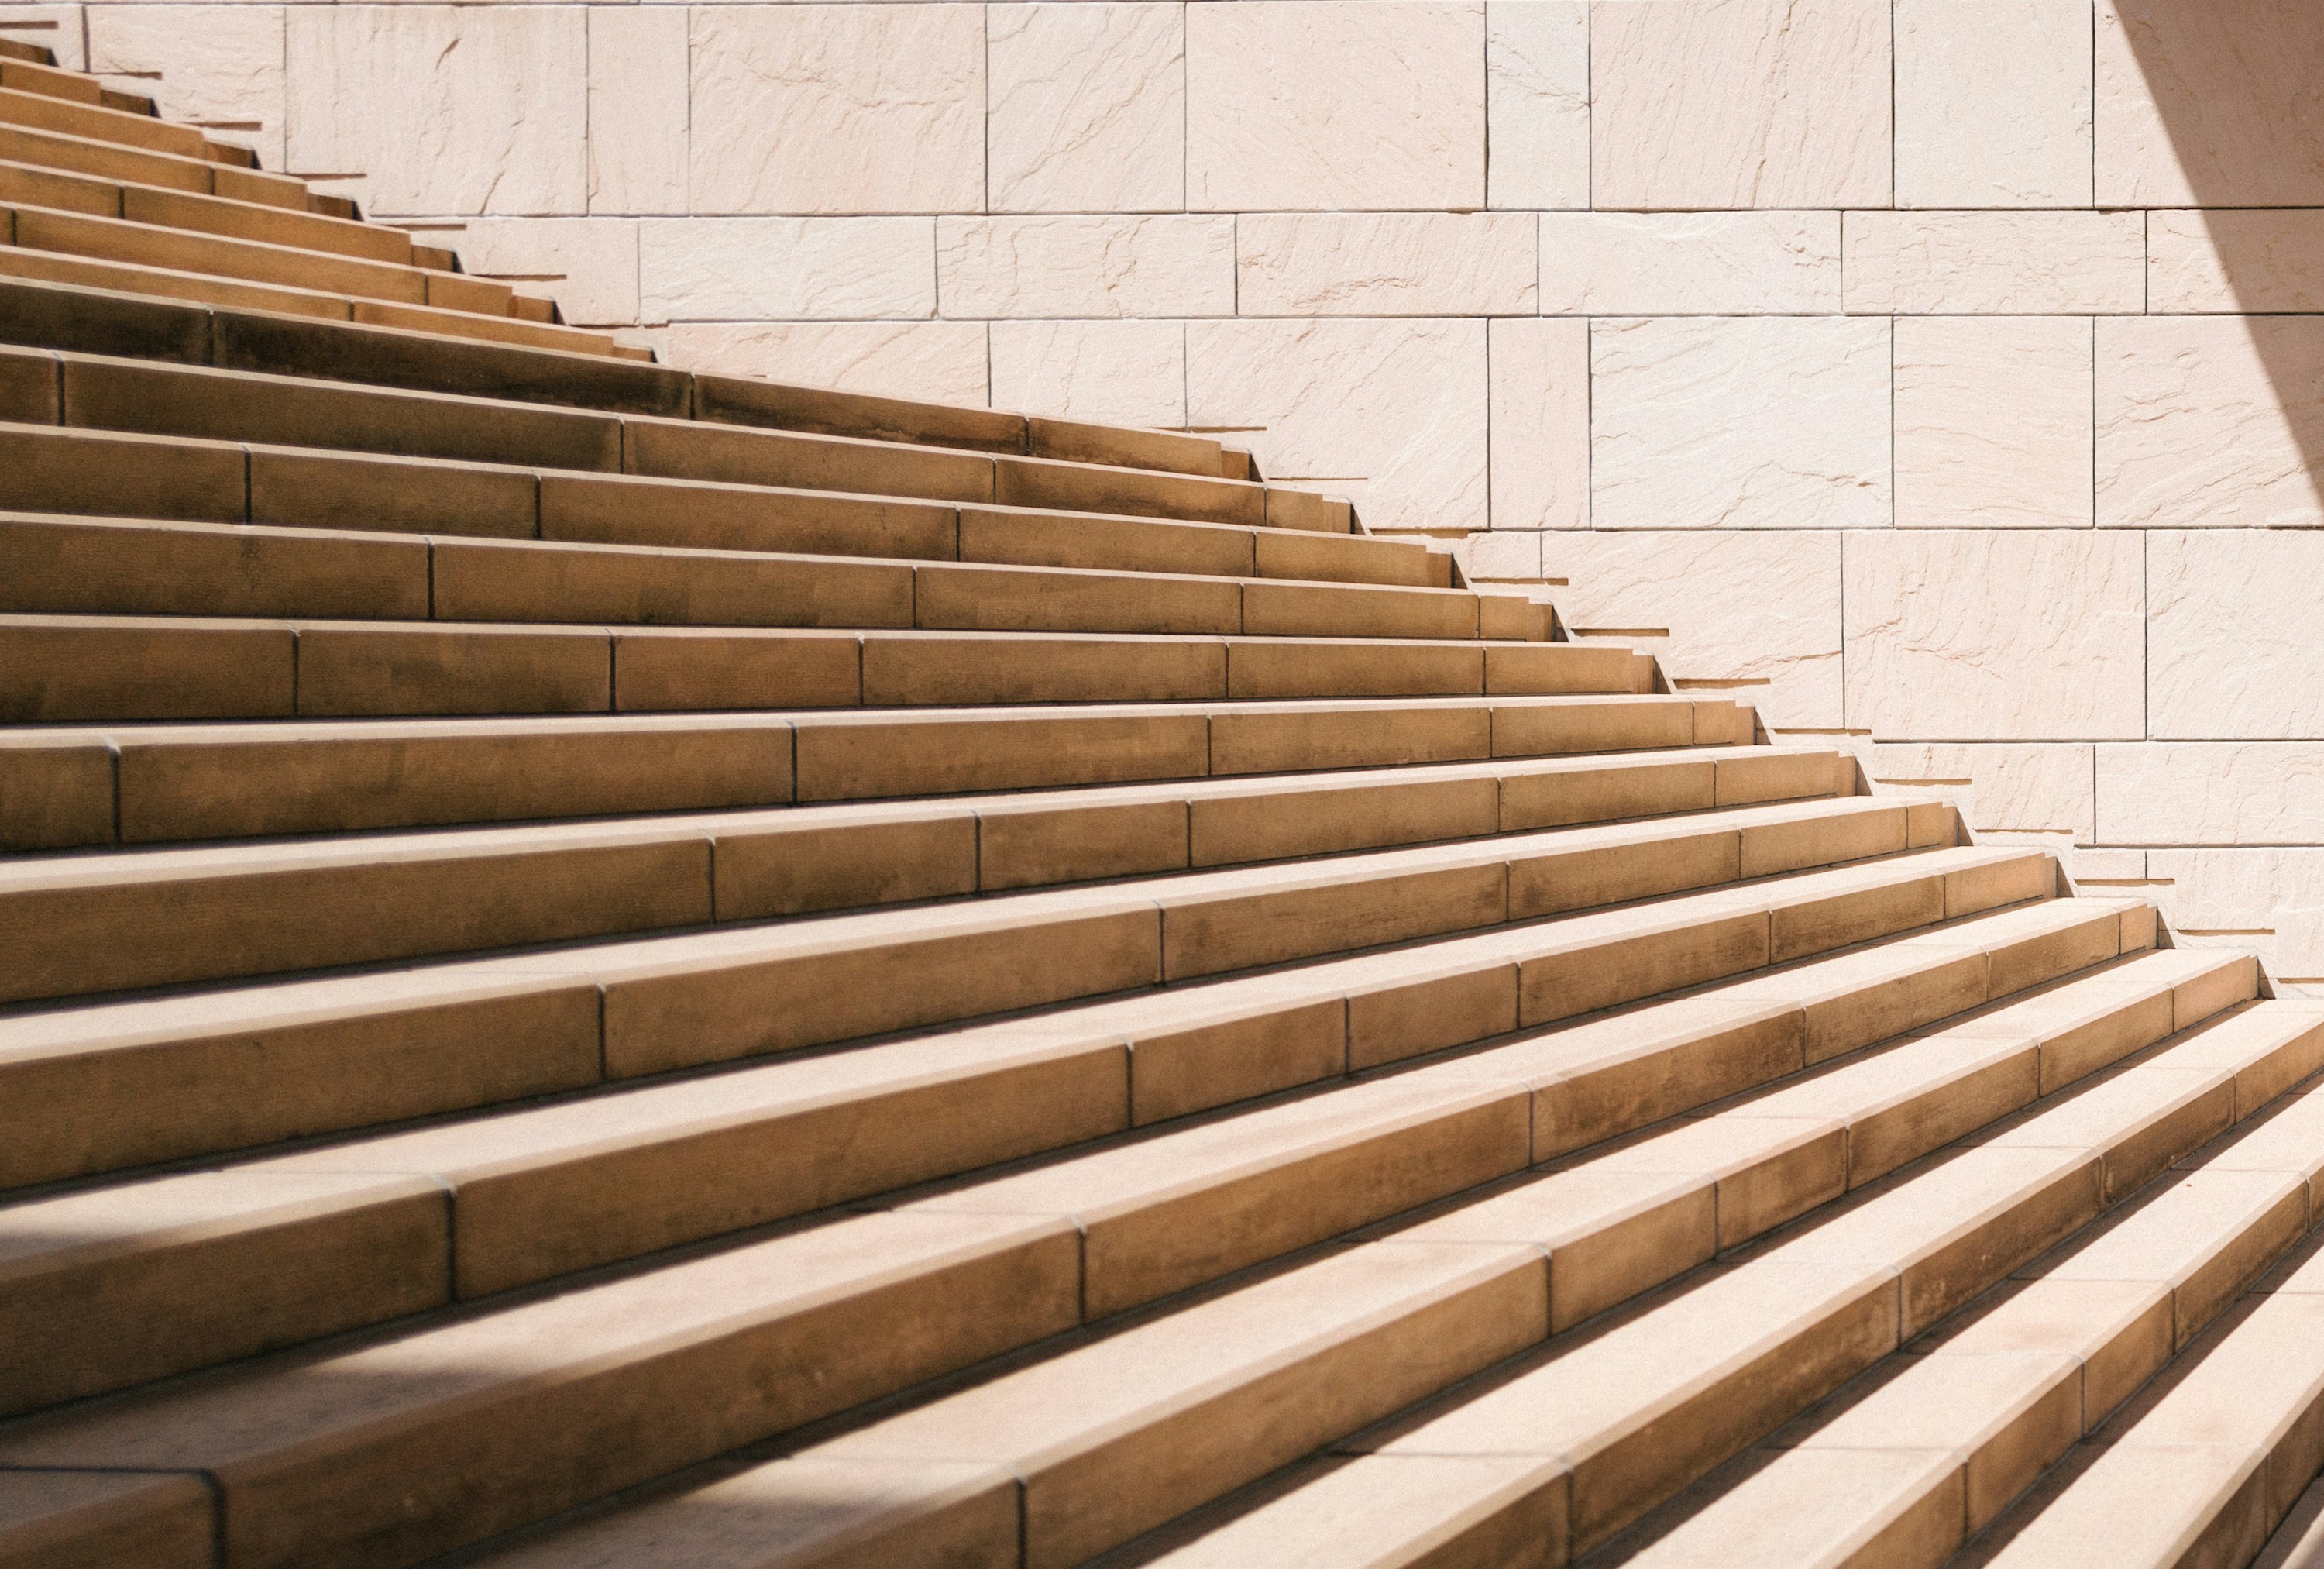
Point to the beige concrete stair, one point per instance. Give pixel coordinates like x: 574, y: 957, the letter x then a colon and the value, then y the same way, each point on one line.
x: 608, y: 965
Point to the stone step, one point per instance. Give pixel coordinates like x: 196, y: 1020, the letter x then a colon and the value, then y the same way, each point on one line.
x: 289, y: 905
x: 29, y: 53
x: 25, y: 76
x: 1190, y: 1206
x: 293, y: 1425
x: 164, y: 784
x: 161, y: 285
x: 162, y: 1077
x: 95, y: 122
x: 58, y: 469
x: 166, y: 208
x: 51, y: 316
x: 167, y: 245
x: 1104, y: 1440
x: 76, y: 669
x: 55, y: 565
x: 127, y: 395
x: 1564, y: 1447
x: 1933, y: 1443
x: 82, y: 154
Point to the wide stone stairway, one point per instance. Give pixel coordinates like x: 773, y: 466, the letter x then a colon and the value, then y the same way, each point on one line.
x: 605, y: 966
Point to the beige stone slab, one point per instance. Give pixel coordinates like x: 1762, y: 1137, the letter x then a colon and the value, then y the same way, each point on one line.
x: 1886, y: 1505
x: 892, y: 99
x: 2190, y: 115
x: 2211, y: 592
x: 590, y: 265
x: 1539, y: 434
x: 2206, y: 1237
x: 726, y: 268
x: 1994, y: 423
x: 2054, y: 648
x: 1993, y: 103
x: 1361, y: 441
x: 2009, y: 263
x: 442, y: 111
x: 1537, y: 103
x: 1087, y: 109
x: 920, y: 359
x: 1385, y: 264
x: 1085, y: 265
x: 1783, y: 421
x: 1711, y: 107
x: 2233, y: 262
x: 1130, y: 372
x: 1690, y: 264
x: 1335, y: 106
x: 2201, y: 421
x: 638, y: 86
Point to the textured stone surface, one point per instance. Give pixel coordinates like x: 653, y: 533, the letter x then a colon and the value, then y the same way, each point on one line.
x: 837, y: 109
x: 1993, y: 422
x: 637, y: 108
x: 753, y: 269
x: 589, y: 264
x: 1391, y: 413
x: 2211, y: 106
x: 2235, y: 634
x: 1180, y: 265
x: 1538, y: 102
x: 2209, y: 422
x: 2213, y: 793
x: 1322, y: 104
x: 942, y: 360
x: 216, y: 66
x: 1776, y: 102
x: 52, y: 27
x: 1993, y: 102
x: 2228, y: 262
x: 2000, y: 789
x: 2020, y: 264
x: 1505, y: 554
x: 1736, y: 607
x: 442, y: 108
x: 1690, y: 264
x: 1088, y: 107
x: 1540, y: 423
x: 2048, y: 646
x: 1115, y: 372
x: 1783, y: 422
x: 1385, y: 264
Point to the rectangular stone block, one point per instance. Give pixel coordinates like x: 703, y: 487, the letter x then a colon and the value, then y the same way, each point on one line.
x: 1740, y: 422
x: 1538, y: 102
x: 746, y: 269
x: 2034, y: 635
x: 1355, y: 105
x: 939, y: 360
x: 1774, y: 614
x: 1389, y: 414
x: 2228, y: 260
x: 638, y: 97
x: 56, y: 28
x: 1993, y: 102
x: 442, y: 108
x: 1539, y: 419
x: 2209, y: 422
x: 589, y: 264
x: 1739, y: 106
x: 219, y: 67
x: 1995, y: 263
x: 2185, y: 793
x: 1385, y: 264
x: 2000, y: 790
x: 837, y: 109
x: 1113, y: 373
x: 1088, y: 107
x: 1993, y: 422
x: 2233, y: 649
x: 1085, y: 265
x: 1690, y: 264
x: 2199, y: 107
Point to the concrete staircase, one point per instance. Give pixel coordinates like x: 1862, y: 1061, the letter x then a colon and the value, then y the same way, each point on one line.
x: 607, y: 967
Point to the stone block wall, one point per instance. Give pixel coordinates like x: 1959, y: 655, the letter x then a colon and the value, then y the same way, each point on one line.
x: 1942, y: 375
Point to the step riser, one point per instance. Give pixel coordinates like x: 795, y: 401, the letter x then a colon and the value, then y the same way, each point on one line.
x: 28, y: 186
x: 249, y: 920
x: 153, y: 788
